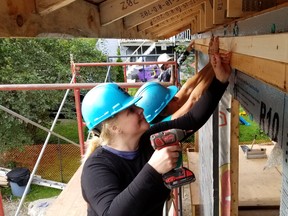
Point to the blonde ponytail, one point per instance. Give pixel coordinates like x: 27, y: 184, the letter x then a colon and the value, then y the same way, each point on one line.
x: 103, y: 139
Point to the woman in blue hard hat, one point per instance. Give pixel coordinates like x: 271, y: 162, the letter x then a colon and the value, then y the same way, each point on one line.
x: 163, y: 104
x: 122, y: 173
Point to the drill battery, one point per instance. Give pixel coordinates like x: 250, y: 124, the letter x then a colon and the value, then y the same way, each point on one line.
x: 178, y: 177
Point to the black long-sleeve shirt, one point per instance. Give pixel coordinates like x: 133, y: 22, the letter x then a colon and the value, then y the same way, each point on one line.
x: 113, y: 185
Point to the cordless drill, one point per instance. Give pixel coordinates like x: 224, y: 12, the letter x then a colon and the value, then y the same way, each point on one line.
x: 180, y: 175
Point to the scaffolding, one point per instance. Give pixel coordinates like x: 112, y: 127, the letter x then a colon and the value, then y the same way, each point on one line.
x: 76, y: 87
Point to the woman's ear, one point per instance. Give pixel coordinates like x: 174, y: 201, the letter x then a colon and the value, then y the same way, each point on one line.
x: 116, y: 129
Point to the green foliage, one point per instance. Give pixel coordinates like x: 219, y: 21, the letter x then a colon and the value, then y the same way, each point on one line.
x: 37, y: 61
x: 248, y: 133
x: 119, y: 69
x: 65, y: 127
x: 186, y: 68
x: 132, y: 91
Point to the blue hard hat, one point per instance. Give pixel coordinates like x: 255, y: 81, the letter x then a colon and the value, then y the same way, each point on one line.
x: 155, y: 98
x: 103, y: 102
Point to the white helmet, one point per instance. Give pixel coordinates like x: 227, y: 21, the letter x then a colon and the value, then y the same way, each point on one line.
x: 163, y: 58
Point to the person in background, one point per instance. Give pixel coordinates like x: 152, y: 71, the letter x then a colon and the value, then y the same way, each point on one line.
x: 162, y: 104
x: 166, y: 74
x: 122, y: 173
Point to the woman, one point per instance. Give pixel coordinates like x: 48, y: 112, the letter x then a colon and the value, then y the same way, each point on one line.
x: 123, y: 175
x: 164, y: 104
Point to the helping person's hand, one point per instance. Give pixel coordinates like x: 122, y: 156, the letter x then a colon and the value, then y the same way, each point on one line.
x: 220, y: 61
x: 165, y: 159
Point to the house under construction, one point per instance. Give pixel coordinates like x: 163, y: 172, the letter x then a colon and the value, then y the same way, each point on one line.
x: 255, y: 31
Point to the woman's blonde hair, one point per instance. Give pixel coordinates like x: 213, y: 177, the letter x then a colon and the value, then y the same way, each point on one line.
x: 103, y: 139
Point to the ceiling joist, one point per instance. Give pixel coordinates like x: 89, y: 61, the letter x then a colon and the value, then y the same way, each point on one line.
x: 134, y: 19
x: 162, y: 29
x: 173, y: 33
x: 160, y: 9
x: 234, y: 8
x: 45, y: 7
x: 187, y: 14
x: 186, y: 8
x: 113, y: 10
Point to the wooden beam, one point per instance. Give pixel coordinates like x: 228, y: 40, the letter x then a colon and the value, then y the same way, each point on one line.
x: 113, y: 10
x: 185, y: 8
x: 234, y: 157
x: 70, y: 201
x: 264, y: 57
x: 175, y: 24
x: 78, y: 19
x: 195, y: 25
x: 219, y: 11
x: 208, y: 14
x: 172, y: 27
x: 161, y: 8
x: 45, y: 7
x: 234, y: 8
x: 175, y: 32
x: 185, y: 15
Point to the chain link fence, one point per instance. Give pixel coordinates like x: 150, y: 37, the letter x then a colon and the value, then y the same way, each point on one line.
x: 59, y: 161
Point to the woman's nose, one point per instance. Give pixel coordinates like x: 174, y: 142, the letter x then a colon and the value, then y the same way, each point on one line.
x: 139, y: 110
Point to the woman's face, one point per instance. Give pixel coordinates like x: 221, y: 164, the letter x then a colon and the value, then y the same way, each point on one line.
x: 131, y: 121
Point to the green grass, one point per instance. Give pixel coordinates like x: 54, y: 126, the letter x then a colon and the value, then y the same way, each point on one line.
x: 36, y: 192
x: 64, y: 127
x: 248, y: 133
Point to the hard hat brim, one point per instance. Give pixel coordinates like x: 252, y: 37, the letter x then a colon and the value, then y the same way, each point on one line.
x: 127, y: 104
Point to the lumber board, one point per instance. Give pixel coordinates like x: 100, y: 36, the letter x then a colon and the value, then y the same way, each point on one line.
x: 45, y: 7
x: 70, y: 201
x: 258, y: 187
x: 219, y: 8
x: 234, y: 157
x: 193, y: 165
x: 185, y: 8
x: 208, y: 15
x: 113, y: 10
x: 161, y: 10
x: 264, y: 57
x: 234, y: 8
x: 174, y: 32
x: 168, y: 22
x: 167, y: 27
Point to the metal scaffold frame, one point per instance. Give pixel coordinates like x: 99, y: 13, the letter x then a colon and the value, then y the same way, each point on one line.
x: 75, y: 67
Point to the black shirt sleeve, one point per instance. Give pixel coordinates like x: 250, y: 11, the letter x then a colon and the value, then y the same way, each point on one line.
x: 199, y: 114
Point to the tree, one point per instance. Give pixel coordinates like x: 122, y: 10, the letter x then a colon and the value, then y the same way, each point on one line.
x: 186, y: 69
x: 28, y: 61
x: 119, y: 69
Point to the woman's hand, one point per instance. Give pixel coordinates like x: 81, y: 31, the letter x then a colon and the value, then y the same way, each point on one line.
x: 165, y: 159
x: 220, y: 62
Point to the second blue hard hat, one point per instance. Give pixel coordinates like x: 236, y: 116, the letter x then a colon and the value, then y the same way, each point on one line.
x: 155, y: 98
x: 104, y: 101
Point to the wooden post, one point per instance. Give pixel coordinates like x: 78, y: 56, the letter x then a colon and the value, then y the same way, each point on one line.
x: 234, y: 156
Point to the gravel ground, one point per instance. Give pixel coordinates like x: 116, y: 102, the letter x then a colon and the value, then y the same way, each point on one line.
x: 10, y: 208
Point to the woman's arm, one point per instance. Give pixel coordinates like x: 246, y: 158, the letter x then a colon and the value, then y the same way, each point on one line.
x: 200, y: 112
x: 194, y: 95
